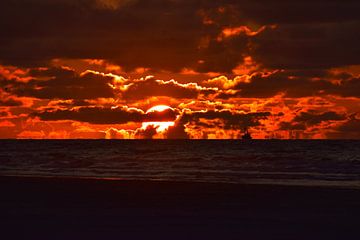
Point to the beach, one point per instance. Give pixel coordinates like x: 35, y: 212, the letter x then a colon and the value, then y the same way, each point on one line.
x: 73, y: 208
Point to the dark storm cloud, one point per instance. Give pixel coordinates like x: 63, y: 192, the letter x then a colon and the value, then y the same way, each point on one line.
x: 166, y: 34
x: 100, y: 115
x: 60, y: 83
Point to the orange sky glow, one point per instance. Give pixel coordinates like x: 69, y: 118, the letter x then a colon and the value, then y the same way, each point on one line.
x: 179, y: 71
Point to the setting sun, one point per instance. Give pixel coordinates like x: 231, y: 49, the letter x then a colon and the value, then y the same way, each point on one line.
x: 158, y: 108
x: 160, y: 126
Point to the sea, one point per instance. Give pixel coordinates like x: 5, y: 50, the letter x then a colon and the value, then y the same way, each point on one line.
x: 283, y: 162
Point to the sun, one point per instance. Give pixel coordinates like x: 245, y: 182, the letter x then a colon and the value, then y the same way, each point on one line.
x: 160, y: 126
x: 158, y: 108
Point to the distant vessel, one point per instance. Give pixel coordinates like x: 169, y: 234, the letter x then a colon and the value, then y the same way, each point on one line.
x: 247, y: 135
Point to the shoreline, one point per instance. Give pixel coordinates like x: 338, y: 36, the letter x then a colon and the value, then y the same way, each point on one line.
x: 72, y: 208
x: 354, y: 185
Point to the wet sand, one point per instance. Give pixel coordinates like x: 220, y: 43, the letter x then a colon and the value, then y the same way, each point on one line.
x: 67, y: 208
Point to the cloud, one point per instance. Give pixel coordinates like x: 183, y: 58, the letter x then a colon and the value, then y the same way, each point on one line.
x: 297, y: 58
x: 309, y: 119
x: 308, y: 46
x: 101, y: 115
x: 350, y: 129
x: 69, y: 30
x: 231, y: 119
x: 166, y: 34
x: 3, y: 113
x: 293, y: 84
x: 163, y: 116
x: 6, y: 123
x: 229, y: 32
x: 31, y: 135
x: 148, y: 133
x: 10, y: 103
x: 313, y: 118
x: 178, y: 131
x: 148, y: 87
x: 113, y: 4
x: 113, y: 133
x: 211, y: 120
x: 224, y: 82
x: 61, y: 83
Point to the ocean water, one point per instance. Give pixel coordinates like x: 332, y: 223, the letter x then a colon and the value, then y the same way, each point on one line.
x: 295, y: 162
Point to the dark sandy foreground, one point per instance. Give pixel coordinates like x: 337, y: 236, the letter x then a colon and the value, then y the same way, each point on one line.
x: 45, y: 208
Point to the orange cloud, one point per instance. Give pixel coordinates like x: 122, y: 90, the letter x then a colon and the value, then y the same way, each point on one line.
x: 223, y: 82
x: 14, y: 73
x: 6, y: 123
x: 229, y: 32
x: 60, y: 102
x: 31, y: 135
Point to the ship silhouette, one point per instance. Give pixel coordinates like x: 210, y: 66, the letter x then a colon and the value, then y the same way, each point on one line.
x: 246, y: 135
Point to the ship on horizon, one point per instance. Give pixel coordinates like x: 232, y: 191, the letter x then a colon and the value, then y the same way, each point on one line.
x: 246, y: 135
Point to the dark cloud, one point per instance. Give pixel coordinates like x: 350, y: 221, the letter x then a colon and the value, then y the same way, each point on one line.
x: 311, y: 118
x: 94, y: 115
x: 148, y: 133
x: 10, y: 103
x: 297, y: 84
x: 100, y: 115
x: 292, y: 126
x: 223, y: 56
x: 142, y: 89
x: 309, y: 46
x: 73, y: 103
x: 163, y: 116
x: 349, y: 130
x: 60, y: 83
x: 232, y: 120
x: 291, y: 11
x: 151, y: 33
x: 167, y: 34
x: 3, y: 114
x: 305, y: 34
x: 177, y: 132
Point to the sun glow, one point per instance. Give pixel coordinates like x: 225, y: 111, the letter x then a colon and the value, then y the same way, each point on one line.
x: 158, y: 108
x: 160, y: 126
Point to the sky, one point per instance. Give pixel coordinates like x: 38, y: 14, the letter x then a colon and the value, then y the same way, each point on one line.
x: 98, y: 69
